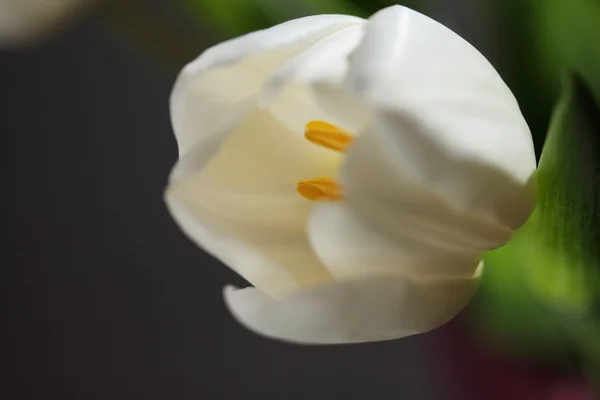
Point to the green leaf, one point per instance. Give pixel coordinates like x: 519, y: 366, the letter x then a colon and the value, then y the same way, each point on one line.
x: 540, y: 293
x: 509, y: 314
x: 564, y: 261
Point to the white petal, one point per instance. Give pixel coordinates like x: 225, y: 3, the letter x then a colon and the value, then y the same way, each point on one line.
x: 449, y: 121
x: 381, y: 308
x: 324, y: 62
x: 235, y: 70
x: 279, y: 37
x: 307, y: 87
x: 399, y: 206
x: 243, y: 189
x: 351, y: 247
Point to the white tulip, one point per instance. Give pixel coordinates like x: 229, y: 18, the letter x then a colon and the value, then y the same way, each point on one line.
x: 411, y: 145
x: 26, y: 20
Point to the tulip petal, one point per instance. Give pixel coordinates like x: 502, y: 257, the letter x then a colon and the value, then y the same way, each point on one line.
x: 234, y: 70
x: 324, y: 62
x: 300, y: 90
x: 399, y: 206
x: 230, y: 188
x: 449, y: 121
x: 353, y: 247
x: 379, y: 308
x: 252, y: 265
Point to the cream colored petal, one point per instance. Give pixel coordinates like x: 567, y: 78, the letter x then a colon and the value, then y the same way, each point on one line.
x: 244, y: 188
x: 352, y: 247
x: 238, y: 166
x: 374, y: 309
x: 235, y: 70
x: 251, y: 264
x: 257, y: 156
x: 447, y: 121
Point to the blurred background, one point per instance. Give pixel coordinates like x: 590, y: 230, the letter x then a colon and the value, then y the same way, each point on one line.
x: 109, y: 300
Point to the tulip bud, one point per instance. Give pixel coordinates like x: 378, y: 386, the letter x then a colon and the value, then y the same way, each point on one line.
x: 352, y: 170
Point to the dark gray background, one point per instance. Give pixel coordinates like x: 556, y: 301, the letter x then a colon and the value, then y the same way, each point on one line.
x: 112, y: 301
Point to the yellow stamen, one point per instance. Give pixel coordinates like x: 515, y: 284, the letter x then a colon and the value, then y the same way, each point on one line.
x: 327, y: 135
x: 323, y: 188
x: 333, y: 138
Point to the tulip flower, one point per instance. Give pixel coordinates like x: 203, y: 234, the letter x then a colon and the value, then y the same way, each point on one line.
x: 27, y: 20
x: 352, y: 171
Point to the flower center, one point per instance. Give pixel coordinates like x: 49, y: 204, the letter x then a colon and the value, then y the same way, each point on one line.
x: 334, y: 138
